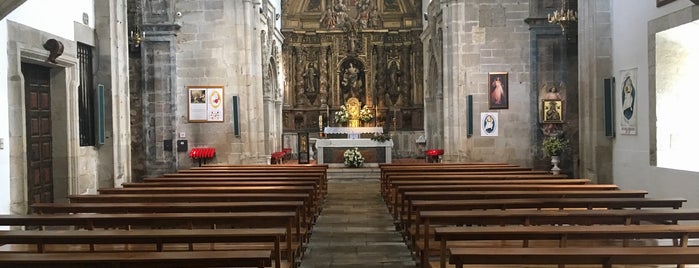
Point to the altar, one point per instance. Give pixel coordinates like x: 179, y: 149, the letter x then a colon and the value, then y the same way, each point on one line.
x: 331, y: 151
x: 353, y: 132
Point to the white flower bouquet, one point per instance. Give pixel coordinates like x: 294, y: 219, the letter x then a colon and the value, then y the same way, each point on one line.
x: 353, y: 158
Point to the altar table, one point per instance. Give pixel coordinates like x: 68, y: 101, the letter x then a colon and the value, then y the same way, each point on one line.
x: 353, y: 132
x: 330, y: 151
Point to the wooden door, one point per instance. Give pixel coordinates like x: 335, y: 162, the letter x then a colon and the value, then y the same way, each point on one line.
x: 39, y: 148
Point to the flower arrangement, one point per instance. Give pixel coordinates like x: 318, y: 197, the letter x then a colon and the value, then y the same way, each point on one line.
x: 554, y: 146
x: 342, y: 115
x: 365, y: 114
x: 353, y: 158
x: 381, y: 137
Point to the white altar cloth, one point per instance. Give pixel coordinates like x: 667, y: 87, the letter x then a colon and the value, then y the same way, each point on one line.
x: 352, y: 132
x: 349, y: 143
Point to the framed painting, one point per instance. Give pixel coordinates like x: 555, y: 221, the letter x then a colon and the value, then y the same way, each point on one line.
x: 659, y: 3
x: 552, y: 111
x: 498, y: 92
x: 205, y: 103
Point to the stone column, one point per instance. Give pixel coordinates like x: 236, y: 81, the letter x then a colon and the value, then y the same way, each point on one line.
x: 595, y: 43
x: 158, y: 49
x: 113, y: 71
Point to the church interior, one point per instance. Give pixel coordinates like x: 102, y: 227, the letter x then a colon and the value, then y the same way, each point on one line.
x: 348, y: 133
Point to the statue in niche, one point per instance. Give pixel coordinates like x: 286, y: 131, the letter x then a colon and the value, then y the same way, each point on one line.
x: 328, y: 20
x: 353, y: 38
x: 363, y: 19
x: 352, y: 84
x: 311, y: 78
x: 340, y: 13
x: 393, y: 83
x: 363, y: 5
x: 375, y: 19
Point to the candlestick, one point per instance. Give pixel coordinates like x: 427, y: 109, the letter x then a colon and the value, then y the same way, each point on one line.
x: 320, y: 122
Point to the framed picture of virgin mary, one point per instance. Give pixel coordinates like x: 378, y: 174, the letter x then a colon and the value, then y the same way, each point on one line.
x: 498, y: 93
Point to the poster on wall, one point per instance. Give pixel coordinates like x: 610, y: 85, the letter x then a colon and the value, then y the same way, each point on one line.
x: 629, y: 118
x: 205, y: 103
x: 489, y: 124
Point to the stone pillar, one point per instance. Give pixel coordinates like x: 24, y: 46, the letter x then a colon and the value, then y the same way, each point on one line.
x: 113, y: 71
x: 158, y: 50
x: 595, y: 42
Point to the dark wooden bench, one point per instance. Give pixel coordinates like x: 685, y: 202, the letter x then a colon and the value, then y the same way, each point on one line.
x: 409, y: 197
x: 159, y: 239
x: 401, y: 190
x: 248, y: 258
x: 426, y: 219
x: 542, y: 203
x: 606, y: 257
x: 175, y: 207
x: 387, y: 181
x: 454, y: 237
x: 252, y: 174
x: 168, y: 220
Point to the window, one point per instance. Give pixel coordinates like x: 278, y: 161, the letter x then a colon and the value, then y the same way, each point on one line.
x: 86, y: 96
x: 677, y: 62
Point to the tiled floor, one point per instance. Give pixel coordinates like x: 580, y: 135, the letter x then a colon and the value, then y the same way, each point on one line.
x: 355, y: 230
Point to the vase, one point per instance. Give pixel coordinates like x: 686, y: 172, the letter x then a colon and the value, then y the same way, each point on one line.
x: 555, y: 170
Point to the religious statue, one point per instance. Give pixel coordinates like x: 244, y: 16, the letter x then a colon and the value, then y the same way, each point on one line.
x: 375, y: 19
x: 393, y: 82
x: 352, y: 82
x: 340, y: 13
x: 311, y: 78
x: 328, y: 19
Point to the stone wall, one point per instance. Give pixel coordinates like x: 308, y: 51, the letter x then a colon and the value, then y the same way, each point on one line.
x: 479, y: 38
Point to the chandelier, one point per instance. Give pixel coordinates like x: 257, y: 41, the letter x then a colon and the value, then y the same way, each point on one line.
x: 563, y: 16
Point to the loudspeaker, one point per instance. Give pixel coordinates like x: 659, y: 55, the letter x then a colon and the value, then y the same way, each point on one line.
x: 99, y: 115
x: 609, y: 84
x: 469, y: 112
x: 236, y: 121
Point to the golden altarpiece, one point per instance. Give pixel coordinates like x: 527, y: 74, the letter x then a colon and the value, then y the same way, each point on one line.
x: 335, y: 50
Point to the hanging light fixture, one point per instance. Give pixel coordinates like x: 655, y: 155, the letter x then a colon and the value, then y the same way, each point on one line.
x: 563, y: 17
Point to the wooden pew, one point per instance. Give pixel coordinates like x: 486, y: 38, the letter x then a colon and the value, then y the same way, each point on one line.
x: 157, y: 238
x: 268, y: 174
x: 249, y: 258
x: 454, y: 237
x: 543, y: 203
x: 309, y: 204
x: 167, y: 220
x: 393, y: 184
x: 409, y: 197
x: 401, y: 190
x: 307, y: 190
x: 387, y: 181
x: 600, y: 256
x: 174, y: 207
x: 425, y: 219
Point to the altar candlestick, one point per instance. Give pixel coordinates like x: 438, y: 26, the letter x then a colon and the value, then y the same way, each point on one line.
x: 320, y: 122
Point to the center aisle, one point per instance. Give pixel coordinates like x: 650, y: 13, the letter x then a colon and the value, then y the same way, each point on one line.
x: 355, y: 229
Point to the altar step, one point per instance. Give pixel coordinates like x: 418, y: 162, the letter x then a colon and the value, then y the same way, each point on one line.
x: 354, y: 173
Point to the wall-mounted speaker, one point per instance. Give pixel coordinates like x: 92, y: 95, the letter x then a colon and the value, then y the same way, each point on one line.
x: 99, y: 115
x: 236, y: 119
x: 469, y: 109
x: 609, y: 84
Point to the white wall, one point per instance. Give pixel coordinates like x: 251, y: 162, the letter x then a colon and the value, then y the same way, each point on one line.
x: 55, y: 17
x: 632, y: 169
x: 4, y: 126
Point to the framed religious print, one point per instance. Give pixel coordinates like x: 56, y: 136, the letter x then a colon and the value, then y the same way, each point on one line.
x: 552, y: 111
x: 205, y: 104
x: 498, y: 94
